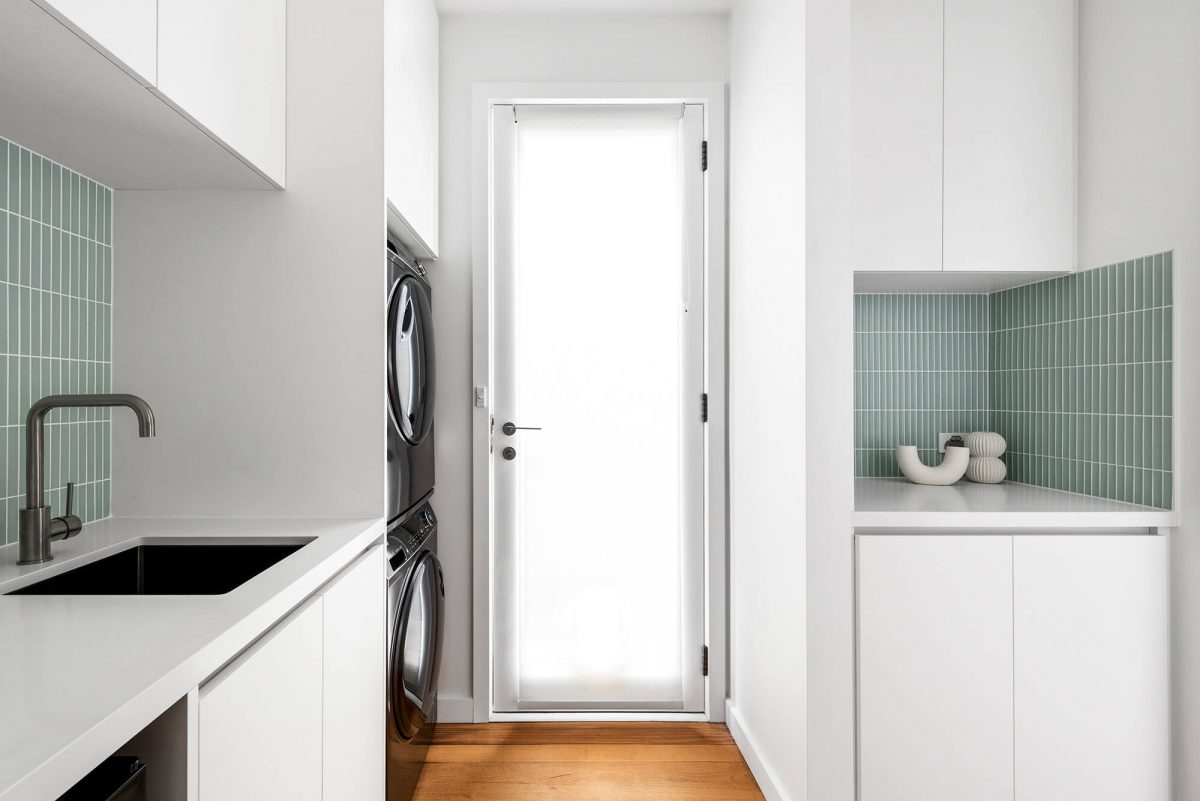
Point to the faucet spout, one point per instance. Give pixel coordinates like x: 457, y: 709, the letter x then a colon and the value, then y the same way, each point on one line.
x: 37, y: 528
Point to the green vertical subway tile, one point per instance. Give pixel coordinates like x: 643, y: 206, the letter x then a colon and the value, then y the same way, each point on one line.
x: 23, y: 182
x: 24, y: 258
x: 1168, y: 278
x: 35, y: 188
x: 35, y: 255
x: 14, y: 173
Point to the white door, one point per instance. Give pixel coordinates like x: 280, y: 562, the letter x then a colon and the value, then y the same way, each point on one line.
x: 1092, y: 642
x: 935, y: 665
x: 598, y: 440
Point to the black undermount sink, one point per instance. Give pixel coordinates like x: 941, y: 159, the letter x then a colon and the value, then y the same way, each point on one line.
x: 166, y: 569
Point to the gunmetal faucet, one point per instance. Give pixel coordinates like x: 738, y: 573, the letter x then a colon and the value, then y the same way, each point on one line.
x: 38, y: 529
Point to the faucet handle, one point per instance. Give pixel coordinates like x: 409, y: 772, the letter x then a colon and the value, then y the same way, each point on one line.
x: 71, y: 524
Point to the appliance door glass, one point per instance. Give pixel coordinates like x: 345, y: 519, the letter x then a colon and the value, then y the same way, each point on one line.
x: 416, y: 647
x: 411, y: 383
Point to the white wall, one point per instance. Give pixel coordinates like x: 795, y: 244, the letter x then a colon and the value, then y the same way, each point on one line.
x: 1139, y: 193
x: 767, y: 705
x: 253, y: 321
x: 492, y: 48
x: 830, y: 370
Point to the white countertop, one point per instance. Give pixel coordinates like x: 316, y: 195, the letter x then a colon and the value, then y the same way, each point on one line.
x: 80, y: 675
x: 898, y: 503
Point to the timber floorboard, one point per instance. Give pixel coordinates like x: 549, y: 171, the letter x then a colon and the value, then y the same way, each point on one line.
x: 585, y: 762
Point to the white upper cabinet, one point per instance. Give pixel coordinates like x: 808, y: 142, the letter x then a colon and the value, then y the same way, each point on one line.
x: 149, y: 94
x: 127, y: 29
x: 1092, y: 644
x: 964, y: 135
x: 1010, y: 135
x: 411, y: 123
x: 897, y: 130
x: 223, y: 63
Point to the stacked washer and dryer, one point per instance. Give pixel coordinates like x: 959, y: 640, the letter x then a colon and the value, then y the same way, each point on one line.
x: 416, y: 595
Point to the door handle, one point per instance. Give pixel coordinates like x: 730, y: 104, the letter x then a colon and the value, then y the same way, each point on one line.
x: 512, y: 428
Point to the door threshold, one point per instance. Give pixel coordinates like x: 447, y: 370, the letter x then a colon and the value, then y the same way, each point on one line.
x: 598, y: 717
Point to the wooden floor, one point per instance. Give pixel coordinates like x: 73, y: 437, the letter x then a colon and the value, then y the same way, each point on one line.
x: 585, y: 762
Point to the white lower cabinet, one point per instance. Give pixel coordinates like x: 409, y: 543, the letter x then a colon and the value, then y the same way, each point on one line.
x: 300, y: 714
x: 935, y: 668
x: 260, y: 718
x: 355, y: 653
x: 1092, y: 648
x: 1012, y: 667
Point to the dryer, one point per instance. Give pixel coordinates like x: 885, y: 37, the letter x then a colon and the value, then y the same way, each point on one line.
x: 411, y: 384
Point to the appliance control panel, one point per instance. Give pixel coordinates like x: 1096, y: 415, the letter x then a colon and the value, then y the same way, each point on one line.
x: 406, y: 537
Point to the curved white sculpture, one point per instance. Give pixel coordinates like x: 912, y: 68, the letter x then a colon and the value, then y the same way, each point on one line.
x: 950, y: 470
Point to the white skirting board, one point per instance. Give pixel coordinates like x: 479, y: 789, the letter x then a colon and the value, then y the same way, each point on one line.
x: 746, y: 744
x: 455, y: 709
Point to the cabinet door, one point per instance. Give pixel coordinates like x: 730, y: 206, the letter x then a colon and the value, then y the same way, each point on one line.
x: 355, y: 656
x: 127, y: 29
x: 897, y: 134
x: 1092, y: 650
x: 223, y: 63
x: 260, y: 718
x: 935, y: 668
x: 411, y: 118
x: 1009, y: 135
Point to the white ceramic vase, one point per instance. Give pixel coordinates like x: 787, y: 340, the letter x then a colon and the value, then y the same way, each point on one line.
x: 950, y: 470
x: 986, y: 443
x: 986, y: 448
x: 986, y: 470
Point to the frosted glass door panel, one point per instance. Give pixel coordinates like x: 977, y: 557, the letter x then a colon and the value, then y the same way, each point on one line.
x: 598, y: 331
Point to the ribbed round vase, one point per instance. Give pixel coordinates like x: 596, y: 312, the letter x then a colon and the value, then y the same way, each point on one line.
x: 986, y: 443
x: 986, y: 469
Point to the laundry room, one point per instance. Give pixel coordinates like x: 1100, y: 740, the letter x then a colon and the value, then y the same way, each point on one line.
x: 720, y: 400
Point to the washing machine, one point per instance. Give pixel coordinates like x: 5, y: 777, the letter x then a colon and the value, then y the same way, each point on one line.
x: 416, y: 611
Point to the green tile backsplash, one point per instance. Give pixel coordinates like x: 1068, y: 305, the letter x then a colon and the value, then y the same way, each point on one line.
x: 55, y: 327
x: 1081, y: 381
x: 1075, y: 373
x: 921, y: 367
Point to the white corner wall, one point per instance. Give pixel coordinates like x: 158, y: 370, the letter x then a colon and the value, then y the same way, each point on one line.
x: 1139, y: 193
x: 253, y: 321
x: 830, y: 371
x: 768, y: 708
x: 626, y: 47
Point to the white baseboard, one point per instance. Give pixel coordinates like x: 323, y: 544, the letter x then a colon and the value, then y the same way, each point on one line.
x: 455, y: 709
x: 746, y: 744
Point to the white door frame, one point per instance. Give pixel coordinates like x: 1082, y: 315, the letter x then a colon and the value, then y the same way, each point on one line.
x: 712, y: 97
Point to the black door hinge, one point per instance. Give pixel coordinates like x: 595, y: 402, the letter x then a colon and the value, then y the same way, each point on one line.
x: 704, y: 407
x: 704, y: 156
x: 704, y: 660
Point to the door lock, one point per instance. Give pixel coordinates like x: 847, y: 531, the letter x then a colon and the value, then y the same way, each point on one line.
x: 512, y: 428
x: 509, y: 453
